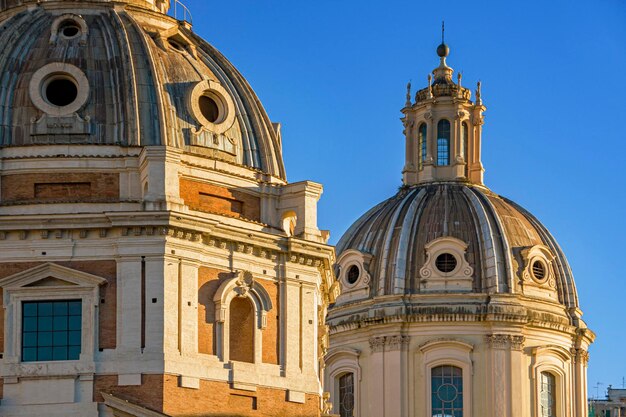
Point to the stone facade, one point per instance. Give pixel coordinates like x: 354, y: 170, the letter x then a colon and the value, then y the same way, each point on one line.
x: 153, y: 258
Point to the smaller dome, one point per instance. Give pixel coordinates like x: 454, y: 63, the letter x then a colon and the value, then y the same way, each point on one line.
x: 443, y: 50
x: 497, y: 239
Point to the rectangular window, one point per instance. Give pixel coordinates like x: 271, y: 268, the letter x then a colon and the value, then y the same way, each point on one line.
x: 51, y: 330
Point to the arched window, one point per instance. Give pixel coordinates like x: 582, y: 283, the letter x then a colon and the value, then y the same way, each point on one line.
x: 447, y: 391
x: 346, y: 395
x: 548, y: 395
x: 443, y: 142
x: 421, y: 142
x: 241, y: 330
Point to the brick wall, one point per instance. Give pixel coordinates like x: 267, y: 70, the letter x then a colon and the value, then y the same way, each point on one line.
x: 162, y: 394
x: 220, y: 200
x: 84, y: 186
x: 218, y: 399
x: 241, y: 330
x: 107, y: 313
x: 148, y: 395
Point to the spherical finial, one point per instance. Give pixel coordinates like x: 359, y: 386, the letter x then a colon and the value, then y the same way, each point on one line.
x: 443, y: 50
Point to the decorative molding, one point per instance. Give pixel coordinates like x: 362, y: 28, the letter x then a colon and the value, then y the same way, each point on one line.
x: 389, y: 343
x: 504, y: 341
x: 377, y: 344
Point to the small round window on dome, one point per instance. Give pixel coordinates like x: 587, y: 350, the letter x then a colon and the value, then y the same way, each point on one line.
x: 69, y: 29
x: 446, y: 262
x: 60, y: 91
x: 209, y: 108
x: 353, y: 274
x: 539, y: 270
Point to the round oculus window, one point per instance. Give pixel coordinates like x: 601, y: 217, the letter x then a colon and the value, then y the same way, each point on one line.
x: 211, y: 105
x: 446, y: 262
x: 60, y: 90
x: 353, y: 274
x: 539, y: 270
x: 209, y: 108
x: 69, y: 29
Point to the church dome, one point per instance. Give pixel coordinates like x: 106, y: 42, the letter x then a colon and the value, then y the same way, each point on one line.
x: 124, y: 73
x: 495, y: 243
x: 454, y: 300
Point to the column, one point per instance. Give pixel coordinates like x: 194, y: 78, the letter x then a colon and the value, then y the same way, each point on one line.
x: 129, y: 305
x: 375, y: 397
x: 189, y: 308
x: 293, y: 336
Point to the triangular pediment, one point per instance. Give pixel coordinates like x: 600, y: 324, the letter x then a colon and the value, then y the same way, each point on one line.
x: 51, y: 275
x: 50, y: 282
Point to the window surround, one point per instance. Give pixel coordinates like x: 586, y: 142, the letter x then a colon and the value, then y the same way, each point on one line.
x: 361, y: 287
x: 49, y: 282
x: 555, y: 360
x: 448, y: 139
x: 74, y: 18
x: 460, y: 279
x: 340, y: 361
x: 243, y: 284
x: 446, y: 352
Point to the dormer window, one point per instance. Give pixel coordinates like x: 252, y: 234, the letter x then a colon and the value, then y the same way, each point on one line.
x: 421, y: 148
x: 443, y: 142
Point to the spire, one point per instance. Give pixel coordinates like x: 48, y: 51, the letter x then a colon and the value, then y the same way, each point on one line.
x: 443, y: 73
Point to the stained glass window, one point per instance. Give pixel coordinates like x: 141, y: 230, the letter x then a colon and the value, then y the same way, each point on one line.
x: 443, y: 142
x: 447, y: 391
x: 346, y: 395
x: 548, y: 395
x: 51, y: 330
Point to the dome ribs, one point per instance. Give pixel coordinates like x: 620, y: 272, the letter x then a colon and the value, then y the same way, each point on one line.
x: 396, y: 231
x: 18, y: 36
x: 566, y: 286
x: 149, y: 88
x: 261, y: 144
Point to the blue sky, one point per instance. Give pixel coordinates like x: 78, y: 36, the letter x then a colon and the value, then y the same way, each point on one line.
x: 554, y: 83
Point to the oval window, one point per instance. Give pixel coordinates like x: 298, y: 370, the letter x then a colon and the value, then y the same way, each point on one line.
x: 353, y: 274
x: 209, y: 108
x: 539, y: 270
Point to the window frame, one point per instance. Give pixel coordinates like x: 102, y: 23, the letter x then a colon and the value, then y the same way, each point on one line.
x: 447, y: 352
x: 447, y: 139
x: 242, y: 284
x: 68, y: 284
x: 340, y: 361
x: 556, y: 361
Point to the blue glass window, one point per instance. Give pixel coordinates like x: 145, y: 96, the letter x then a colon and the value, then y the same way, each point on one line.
x: 447, y: 391
x: 548, y: 395
x: 421, y: 142
x: 346, y: 395
x: 51, y: 330
x: 443, y: 142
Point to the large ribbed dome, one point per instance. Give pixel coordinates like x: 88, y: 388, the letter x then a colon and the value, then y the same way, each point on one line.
x: 497, y: 232
x: 140, y: 78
